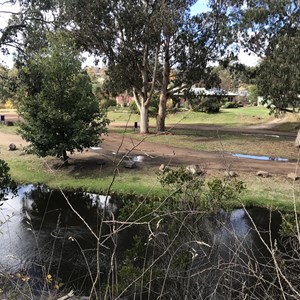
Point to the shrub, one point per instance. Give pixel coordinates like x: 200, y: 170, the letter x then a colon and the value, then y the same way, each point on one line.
x: 230, y: 104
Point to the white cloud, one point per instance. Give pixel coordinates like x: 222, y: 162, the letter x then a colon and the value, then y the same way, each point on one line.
x: 248, y: 59
x: 6, y: 9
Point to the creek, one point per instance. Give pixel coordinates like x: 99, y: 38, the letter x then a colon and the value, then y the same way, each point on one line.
x: 41, y: 234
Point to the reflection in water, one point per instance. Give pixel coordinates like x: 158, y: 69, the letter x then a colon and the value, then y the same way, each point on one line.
x: 259, y: 157
x: 42, y: 233
x: 47, y: 234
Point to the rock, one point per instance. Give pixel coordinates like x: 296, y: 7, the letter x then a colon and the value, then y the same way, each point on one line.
x: 263, y: 174
x: 129, y: 164
x: 12, y: 147
x: 195, y: 169
x: 162, y: 168
x: 293, y: 176
x: 231, y: 174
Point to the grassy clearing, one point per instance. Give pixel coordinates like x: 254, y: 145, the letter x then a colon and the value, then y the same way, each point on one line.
x: 273, y: 192
x: 230, y: 117
x: 227, y: 117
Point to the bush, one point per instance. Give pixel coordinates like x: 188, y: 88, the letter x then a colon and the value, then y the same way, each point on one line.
x: 170, y: 104
x: 210, y: 105
x: 206, y: 104
x: 230, y: 104
x: 107, y: 102
x: 6, y: 182
x: 133, y: 108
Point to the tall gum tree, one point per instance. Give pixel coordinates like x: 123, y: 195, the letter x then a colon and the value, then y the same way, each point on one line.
x: 125, y: 34
x: 144, y: 42
x: 271, y: 29
x: 188, y: 45
x: 149, y: 46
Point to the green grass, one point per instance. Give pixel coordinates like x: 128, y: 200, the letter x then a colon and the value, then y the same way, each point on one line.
x: 8, y: 129
x: 26, y: 168
x: 274, y: 192
x: 230, y: 117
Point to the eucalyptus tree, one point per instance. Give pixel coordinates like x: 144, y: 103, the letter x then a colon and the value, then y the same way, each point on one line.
x: 149, y: 46
x: 271, y: 30
x: 261, y: 22
x: 188, y: 45
x: 279, y: 75
x: 28, y: 21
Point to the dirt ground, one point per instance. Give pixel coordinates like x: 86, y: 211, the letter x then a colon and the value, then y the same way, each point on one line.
x: 115, y: 146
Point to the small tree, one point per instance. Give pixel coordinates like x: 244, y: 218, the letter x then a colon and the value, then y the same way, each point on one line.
x: 253, y: 94
x: 58, y: 106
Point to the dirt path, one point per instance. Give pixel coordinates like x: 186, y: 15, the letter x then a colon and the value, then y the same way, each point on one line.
x: 156, y: 154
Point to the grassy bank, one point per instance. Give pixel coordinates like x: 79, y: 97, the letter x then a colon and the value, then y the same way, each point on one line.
x: 274, y: 192
x: 27, y: 168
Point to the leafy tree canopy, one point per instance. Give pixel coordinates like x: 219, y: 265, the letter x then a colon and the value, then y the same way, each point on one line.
x: 150, y: 46
x: 59, y: 108
x: 279, y: 75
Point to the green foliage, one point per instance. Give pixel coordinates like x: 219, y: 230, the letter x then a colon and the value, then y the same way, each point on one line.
x: 133, y: 107
x: 253, y: 94
x: 133, y: 210
x: 177, y: 180
x: 204, y: 103
x: 6, y: 182
x: 58, y: 106
x: 279, y: 75
x: 7, y: 84
x: 222, y: 191
x: 183, y: 185
x: 191, y: 188
x: 153, y: 108
x: 271, y: 30
x: 230, y: 104
x: 210, y: 104
x: 290, y: 224
x: 106, y: 103
x: 5, y: 179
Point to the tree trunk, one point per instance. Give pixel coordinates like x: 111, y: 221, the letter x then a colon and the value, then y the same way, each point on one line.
x: 144, y: 126
x: 65, y: 157
x: 143, y: 106
x: 297, y: 141
x: 161, y: 117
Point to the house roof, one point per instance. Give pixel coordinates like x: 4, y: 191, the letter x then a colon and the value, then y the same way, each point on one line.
x: 212, y: 92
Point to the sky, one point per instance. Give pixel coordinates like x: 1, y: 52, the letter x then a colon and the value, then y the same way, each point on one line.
x: 200, y: 6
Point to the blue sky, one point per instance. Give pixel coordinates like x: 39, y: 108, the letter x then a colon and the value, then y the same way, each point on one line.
x: 200, y: 6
